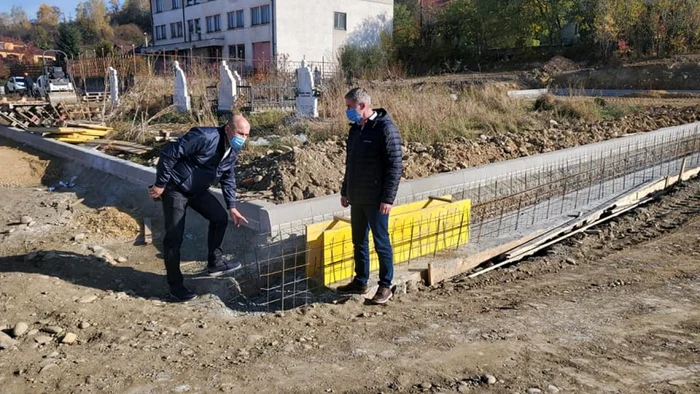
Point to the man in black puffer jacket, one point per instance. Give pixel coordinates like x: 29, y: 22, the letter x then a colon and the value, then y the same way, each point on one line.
x: 186, y: 169
x: 372, y: 173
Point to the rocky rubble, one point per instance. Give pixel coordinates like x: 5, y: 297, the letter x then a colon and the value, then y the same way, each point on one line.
x: 316, y: 169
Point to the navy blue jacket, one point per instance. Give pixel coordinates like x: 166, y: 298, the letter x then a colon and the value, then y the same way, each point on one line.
x: 194, y: 164
x: 373, y: 164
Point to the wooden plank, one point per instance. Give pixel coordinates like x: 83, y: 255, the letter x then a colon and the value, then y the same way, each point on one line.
x: 443, y: 199
x: 147, y: 233
x: 89, y: 126
x: 638, y: 196
x: 556, y: 240
x: 528, y: 245
x: 441, y: 270
x: 122, y: 143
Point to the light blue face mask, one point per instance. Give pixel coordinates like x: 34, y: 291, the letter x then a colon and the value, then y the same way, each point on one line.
x: 353, y: 115
x: 237, y: 142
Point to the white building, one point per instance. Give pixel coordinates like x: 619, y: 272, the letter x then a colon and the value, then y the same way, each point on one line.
x: 259, y: 30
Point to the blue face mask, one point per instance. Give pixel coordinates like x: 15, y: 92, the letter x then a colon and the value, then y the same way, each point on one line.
x: 353, y: 115
x: 237, y: 142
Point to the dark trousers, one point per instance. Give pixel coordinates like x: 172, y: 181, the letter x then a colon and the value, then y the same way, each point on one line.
x: 175, y: 205
x: 365, y: 218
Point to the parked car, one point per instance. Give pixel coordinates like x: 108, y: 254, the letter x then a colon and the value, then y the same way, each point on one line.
x: 15, y: 85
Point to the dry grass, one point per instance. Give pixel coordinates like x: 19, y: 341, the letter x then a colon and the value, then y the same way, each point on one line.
x: 436, y: 113
x: 423, y: 113
x: 146, y: 108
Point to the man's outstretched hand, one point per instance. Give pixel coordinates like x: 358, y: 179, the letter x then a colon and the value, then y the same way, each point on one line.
x: 155, y: 192
x: 237, y: 217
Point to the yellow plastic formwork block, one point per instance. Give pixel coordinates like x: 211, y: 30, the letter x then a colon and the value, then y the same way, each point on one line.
x: 416, y: 230
x: 314, y: 232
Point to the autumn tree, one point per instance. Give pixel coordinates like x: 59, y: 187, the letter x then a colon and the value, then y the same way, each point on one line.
x: 93, y: 21
x: 47, y: 15
x: 137, y: 12
x: 45, y: 30
x: 19, y: 18
x: 128, y: 35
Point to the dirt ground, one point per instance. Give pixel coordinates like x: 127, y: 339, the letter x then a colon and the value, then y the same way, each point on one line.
x: 612, y: 310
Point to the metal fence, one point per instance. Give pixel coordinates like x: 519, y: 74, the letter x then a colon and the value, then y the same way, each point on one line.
x: 502, y: 207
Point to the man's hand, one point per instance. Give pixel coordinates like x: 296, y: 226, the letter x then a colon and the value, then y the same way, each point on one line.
x: 237, y: 217
x: 384, y: 208
x: 344, y: 202
x: 155, y: 192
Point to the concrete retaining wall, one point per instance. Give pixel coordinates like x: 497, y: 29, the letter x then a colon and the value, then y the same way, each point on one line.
x: 290, y: 218
x: 284, y: 220
x: 124, y: 169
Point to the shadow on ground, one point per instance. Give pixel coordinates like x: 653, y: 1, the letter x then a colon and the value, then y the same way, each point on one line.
x: 96, y: 272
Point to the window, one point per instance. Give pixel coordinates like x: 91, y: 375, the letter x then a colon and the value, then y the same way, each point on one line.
x: 160, y: 32
x: 236, y: 51
x: 192, y: 2
x: 193, y: 27
x: 235, y: 19
x: 176, y: 30
x: 340, y: 21
x: 239, y: 19
x: 260, y: 15
x: 213, y: 23
x: 159, y: 5
x: 255, y: 16
x: 265, y: 14
x: 176, y: 4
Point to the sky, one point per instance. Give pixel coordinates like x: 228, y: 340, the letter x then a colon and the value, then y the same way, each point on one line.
x: 30, y: 6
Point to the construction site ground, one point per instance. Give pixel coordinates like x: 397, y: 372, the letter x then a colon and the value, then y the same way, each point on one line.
x: 611, y: 310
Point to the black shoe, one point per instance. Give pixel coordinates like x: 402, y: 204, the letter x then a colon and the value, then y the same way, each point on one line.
x: 223, y: 267
x: 182, y: 294
x: 353, y: 288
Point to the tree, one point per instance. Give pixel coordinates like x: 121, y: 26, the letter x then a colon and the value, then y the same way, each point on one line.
x: 128, y: 35
x: 114, y: 6
x: 93, y: 21
x: 69, y: 39
x: 619, y: 21
x: 19, y: 18
x: 552, y: 14
x: 137, y: 12
x: 42, y: 38
x: 406, y: 28
x: 47, y: 15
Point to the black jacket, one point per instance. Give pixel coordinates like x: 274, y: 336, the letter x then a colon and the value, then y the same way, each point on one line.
x: 373, y: 164
x: 194, y: 163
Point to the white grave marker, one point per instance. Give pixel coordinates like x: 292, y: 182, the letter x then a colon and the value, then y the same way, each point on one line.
x: 113, y: 87
x: 181, y: 99
x: 227, y: 88
x: 306, y: 103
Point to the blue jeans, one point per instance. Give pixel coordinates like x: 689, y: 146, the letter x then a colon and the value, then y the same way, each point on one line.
x: 364, y: 218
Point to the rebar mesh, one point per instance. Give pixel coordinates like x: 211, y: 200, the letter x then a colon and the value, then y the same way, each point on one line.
x: 501, y: 207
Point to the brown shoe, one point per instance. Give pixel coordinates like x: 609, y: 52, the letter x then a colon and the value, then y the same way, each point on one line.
x: 353, y: 288
x: 382, y: 295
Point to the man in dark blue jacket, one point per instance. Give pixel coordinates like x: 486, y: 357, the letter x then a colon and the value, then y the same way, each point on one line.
x: 185, y: 171
x: 372, y: 173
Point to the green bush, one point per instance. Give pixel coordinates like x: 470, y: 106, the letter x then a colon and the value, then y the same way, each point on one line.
x: 366, y: 61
